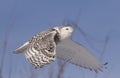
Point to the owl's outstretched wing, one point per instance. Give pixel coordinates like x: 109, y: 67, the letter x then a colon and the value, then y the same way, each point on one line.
x: 77, y: 54
x: 41, y: 49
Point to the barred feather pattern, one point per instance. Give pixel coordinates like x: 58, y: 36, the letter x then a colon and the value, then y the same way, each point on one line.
x: 42, y: 49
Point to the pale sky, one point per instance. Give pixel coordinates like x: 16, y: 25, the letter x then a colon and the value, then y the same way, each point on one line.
x: 25, y: 18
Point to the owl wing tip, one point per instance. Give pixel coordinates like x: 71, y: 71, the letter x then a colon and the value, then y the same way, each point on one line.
x: 21, y: 48
x: 15, y: 52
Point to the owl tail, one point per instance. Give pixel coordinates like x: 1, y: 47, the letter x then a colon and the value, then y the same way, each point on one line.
x: 22, y: 48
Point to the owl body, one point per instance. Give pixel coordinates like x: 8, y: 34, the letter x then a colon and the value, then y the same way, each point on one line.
x: 44, y: 47
x: 41, y: 49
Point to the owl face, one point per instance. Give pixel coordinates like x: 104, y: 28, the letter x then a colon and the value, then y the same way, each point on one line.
x: 66, y: 32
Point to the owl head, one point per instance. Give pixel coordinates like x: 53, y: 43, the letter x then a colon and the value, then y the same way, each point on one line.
x: 64, y: 31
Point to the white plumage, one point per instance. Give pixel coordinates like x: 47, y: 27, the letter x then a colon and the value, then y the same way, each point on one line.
x: 77, y: 54
x: 45, y: 46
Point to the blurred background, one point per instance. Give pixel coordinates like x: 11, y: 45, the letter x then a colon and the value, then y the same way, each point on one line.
x: 96, y: 24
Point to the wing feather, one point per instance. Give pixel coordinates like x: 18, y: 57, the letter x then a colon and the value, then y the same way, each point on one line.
x: 22, y: 48
x: 77, y: 54
x: 42, y: 49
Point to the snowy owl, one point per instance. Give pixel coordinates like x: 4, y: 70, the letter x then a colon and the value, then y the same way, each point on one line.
x: 44, y: 47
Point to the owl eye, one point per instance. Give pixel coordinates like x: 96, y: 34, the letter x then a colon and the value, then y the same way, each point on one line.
x: 67, y: 29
